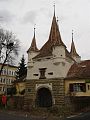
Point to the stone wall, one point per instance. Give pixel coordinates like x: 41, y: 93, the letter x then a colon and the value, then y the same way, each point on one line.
x: 56, y: 86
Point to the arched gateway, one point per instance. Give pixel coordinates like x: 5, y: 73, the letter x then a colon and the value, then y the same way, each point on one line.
x: 44, y: 98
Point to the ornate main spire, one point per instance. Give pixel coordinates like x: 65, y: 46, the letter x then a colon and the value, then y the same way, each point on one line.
x: 54, y: 39
x: 33, y: 46
x: 73, y: 49
x: 55, y: 36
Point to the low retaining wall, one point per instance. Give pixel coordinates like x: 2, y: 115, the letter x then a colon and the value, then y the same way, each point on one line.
x: 78, y: 103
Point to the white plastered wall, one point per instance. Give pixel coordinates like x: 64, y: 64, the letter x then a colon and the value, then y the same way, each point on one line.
x: 58, y: 70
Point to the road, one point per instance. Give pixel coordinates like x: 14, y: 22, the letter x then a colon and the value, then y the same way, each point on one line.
x: 12, y: 116
x: 82, y: 116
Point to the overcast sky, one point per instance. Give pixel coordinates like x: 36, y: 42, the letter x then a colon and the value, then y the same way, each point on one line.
x: 19, y: 16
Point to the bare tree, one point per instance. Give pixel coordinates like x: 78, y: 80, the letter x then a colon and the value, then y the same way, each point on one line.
x: 2, y: 39
x: 9, y: 47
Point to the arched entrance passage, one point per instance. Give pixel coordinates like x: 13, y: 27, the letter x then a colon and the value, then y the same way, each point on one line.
x: 44, y: 98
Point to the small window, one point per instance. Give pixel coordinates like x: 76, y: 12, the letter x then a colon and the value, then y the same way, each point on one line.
x: 51, y: 73
x: 4, y: 80
x: 0, y: 88
x: 29, y: 90
x: 12, y: 72
x: 47, y: 58
x: 3, y: 89
x: 9, y: 82
x: 88, y: 87
x: 77, y: 87
x: 4, y: 72
x: 39, y: 60
x: 1, y: 80
x: 42, y: 73
x: 35, y: 74
x: 15, y: 73
x: 9, y: 72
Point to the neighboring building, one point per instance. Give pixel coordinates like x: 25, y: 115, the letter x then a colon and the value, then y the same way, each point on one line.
x: 77, y: 86
x: 7, y: 77
x: 48, y: 68
x: 77, y: 82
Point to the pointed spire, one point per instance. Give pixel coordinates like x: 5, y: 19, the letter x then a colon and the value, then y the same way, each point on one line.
x: 55, y: 36
x: 73, y: 49
x: 33, y: 46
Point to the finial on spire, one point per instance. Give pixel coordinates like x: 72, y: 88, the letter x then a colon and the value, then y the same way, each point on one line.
x: 54, y: 8
x: 72, y: 35
x: 73, y: 49
x: 34, y: 29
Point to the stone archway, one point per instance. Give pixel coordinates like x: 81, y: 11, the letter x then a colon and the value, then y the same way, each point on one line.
x: 44, y: 98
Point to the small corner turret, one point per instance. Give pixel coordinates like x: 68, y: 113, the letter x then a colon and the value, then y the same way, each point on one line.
x: 33, y: 50
x: 33, y: 47
x: 73, y: 52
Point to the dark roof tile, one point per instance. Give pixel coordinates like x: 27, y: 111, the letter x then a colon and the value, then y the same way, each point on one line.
x: 80, y: 70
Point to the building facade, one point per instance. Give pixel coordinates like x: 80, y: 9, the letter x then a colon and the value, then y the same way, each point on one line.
x: 77, y: 82
x: 54, y: 74
x: 7, y: 77
x: 48, y: 68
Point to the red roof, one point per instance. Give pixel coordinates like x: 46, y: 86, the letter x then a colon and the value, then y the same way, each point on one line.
x: 80, y: 70
x: 54, y: 40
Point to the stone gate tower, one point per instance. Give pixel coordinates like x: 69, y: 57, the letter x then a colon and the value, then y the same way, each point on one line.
x: 47, y: 69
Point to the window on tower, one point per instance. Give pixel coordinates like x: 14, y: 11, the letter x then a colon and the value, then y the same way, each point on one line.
x: 42, y: 73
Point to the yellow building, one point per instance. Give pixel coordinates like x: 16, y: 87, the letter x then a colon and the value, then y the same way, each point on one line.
x: 7, y: 77
x: 20, y: 87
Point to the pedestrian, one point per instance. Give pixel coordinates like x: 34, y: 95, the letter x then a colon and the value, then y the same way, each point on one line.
x: 4, y: 100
